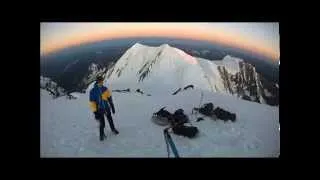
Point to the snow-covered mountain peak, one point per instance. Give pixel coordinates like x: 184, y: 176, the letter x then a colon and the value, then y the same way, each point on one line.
x: 229, y: 58
x: 144, y: 67
x: 232, y: 64
x: 137, y: 45
x: 140, y: 47
x: 163, y: 46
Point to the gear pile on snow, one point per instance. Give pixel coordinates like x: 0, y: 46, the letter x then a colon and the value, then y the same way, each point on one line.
x: 69, y: 96
x: 179, y: 117
x: 208, y: 110
x: 162, y: 117
x: 139, y: 91
x: 176, y: 121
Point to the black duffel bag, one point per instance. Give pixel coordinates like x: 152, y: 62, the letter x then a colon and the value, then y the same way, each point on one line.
x: 207, y: 109
x: 188, y: 131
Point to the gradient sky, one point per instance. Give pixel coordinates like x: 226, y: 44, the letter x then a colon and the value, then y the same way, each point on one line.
x: 262, y: 38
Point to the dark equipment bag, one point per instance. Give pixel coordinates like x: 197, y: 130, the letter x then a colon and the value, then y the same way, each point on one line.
x: 188, y: 131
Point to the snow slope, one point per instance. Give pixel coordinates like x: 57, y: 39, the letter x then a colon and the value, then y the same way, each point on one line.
x: 212, y: 74
x: 68, y: 128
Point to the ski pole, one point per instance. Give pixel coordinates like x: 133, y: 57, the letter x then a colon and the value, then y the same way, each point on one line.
x: 171, y: 143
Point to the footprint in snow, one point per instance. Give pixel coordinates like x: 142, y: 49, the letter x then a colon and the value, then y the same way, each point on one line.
x: 62, y: 141
x: 81, y: 149
x: 255, y: 144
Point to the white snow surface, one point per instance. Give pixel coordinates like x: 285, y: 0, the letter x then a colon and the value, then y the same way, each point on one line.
x: 75, y: 94
x: 212, y: 74
x: 68, y: 128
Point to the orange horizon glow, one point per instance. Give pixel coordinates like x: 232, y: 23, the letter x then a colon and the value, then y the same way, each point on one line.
x: 185, y: 31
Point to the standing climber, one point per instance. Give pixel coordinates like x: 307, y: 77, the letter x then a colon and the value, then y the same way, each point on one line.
x: 100, y: 103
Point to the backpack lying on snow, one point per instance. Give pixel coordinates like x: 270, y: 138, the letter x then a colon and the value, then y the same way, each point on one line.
x: 207, y: 109
x: 162, y: 117
x: 176, y: 122
x: 179, y: 117
x: 179, y: 127
x: 224, y: 115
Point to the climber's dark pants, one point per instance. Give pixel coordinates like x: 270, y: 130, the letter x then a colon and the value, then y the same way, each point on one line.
x: 102, y: 121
